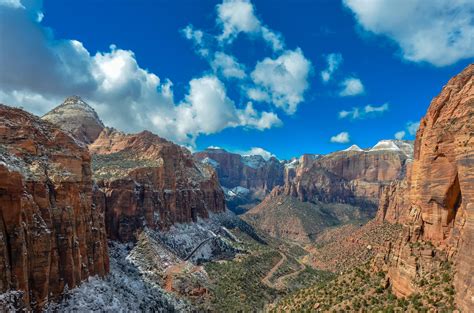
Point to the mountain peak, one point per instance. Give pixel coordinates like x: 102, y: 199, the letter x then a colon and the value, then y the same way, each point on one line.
x: 353, y: 148
x: 78, y: 118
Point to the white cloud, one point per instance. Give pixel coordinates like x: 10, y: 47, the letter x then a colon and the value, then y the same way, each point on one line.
x: 280, y: 80
x: 412, y: 127
x: 227, y: 66
x: 263, y: 120
x: 238, y: 16
x: 400, y: 135
x: 259, y: 151
x: 333, y: 61
x: 361, y: 113
x: 197, y: 38
x: 351, y: 87
x: 125, y: 95
x: 342, y: 137
x: 284, y: 79
x: 16, y: 4
x: 439, y: 32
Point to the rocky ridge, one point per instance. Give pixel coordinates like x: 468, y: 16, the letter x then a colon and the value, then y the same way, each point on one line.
x: 77, y: 117
x: 144, y: 180
x: 347, y: 185
x: 250, y: 172
x: 51, y: 233
x: 436, y: 202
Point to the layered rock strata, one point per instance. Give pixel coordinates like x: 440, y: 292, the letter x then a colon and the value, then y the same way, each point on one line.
x: 439, y: 203
x: 51, y: 233
x: 144, y: 180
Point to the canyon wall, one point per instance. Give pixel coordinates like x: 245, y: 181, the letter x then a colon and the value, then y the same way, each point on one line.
x: 439, y: 195
x: 252, y: 172
x: 51, y: 233
x: 353, y: 176
x: 144, y: 180
x: 322, y: 191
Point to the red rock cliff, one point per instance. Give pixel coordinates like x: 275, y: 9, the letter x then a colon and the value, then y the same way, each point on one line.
x: 251, y: 172
x: 346, y: 176
x: 148, y: 181
x: 51, y: 234
x: 439, y: 204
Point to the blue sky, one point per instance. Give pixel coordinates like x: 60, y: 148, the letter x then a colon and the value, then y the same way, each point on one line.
x: 198, y: 104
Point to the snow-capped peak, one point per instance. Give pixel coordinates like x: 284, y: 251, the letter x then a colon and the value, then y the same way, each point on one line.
x: 385, y: 145
x: 353, y: 148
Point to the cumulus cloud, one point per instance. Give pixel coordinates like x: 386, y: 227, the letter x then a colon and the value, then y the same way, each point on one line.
x: 361, y: 113
x: 280, y: 80
x: 283, y: 80
x: 11, y: 3
x: 410, y: 127
x: 439, y: 32
x: 400, y: 135
x: 259, y: 151
x: 227, y: 66
x: 260, y: 120
x: 351, y: 87
x: 125, y: 95
x: 238, y: 16
x: 196, y: 36
x: 342, y: 137
x: 333, y: 61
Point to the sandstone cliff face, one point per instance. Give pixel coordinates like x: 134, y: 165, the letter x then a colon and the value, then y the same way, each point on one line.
x: 440, y: 208
x: 347, y: 176
x: 76, y: 117
x: 394, y: 200
x: 145, y: 180
x: 251, y: 172
x: 328, y: 190
x: 51, y: 234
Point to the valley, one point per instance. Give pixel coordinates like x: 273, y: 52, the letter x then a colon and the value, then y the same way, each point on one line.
x: 95, y: 219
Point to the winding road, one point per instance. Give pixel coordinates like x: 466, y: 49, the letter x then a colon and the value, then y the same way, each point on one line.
x: 279, y: 284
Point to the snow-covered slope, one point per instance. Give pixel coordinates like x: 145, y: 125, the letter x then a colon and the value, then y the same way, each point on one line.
x: 354, y: 148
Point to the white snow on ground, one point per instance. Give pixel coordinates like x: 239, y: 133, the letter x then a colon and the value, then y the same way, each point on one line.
x: 123, y: 290
x: 184, y: 238
x: 10, y: 301
x: 236, y: 192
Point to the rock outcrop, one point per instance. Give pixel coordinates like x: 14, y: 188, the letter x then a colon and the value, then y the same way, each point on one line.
x: 250, y: 171
x: 237, y: 172
x: 328, y: 190
x: 440, y: 193
x: 52, y: 236
x: 352, y: 176
x: 144, y: 180
x: 78, y: 118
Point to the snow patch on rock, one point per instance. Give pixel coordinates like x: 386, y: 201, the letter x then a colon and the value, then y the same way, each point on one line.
x: 354, y: 148
x: 253, y: 161
x: 123, y: 290
x: 385, y: 145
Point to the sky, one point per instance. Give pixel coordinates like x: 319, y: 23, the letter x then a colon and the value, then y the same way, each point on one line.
x: 276, y: 77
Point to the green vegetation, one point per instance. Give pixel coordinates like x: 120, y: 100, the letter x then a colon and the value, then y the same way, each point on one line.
x: 237, y: 284
x: 360, y: 289
x: 117, y: 165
